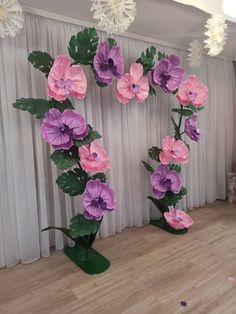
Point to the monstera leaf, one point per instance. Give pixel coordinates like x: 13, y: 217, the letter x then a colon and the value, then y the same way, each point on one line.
x: 65, y: 159
x: 147, y: 59
x: 161, y: 55
x: 154, y: 153
x: 83, y: 46
x: 152, y: 91
x: 101, y: 176
x: 37, y: 107
x: 80, y: 226
x: 42, y: 61
x: 92, y: 135
x: 194, y: 109
x: 147, y: 166
x: 175, y: 167
x: 184, y: 112
x: 66, y: 231
x: 160, y: 204
x: 73, y: 182
x: 112, y: 42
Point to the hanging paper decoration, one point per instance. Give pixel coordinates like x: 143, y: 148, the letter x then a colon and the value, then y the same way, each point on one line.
x: 195, y: 54
x: 216, y: 40
x: 11, y: 18
x: 114, y: 15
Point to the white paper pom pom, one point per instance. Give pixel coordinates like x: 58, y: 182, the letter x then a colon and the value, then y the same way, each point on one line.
x: 114, y: 15
x: 195, y: 54
x: 216, y: 27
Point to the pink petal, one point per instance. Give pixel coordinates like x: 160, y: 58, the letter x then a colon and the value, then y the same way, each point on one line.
x: 124, y: 86
x: 136, y: 72
x: 122, y: 99
x: 143, y: 89
x: 165, y: 157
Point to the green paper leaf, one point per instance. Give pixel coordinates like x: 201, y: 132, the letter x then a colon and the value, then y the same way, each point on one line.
x: 65, y: 159
x: 66, y: 231
x: 101, y: 176
x: 61, y: 105
x: 80, y: 226
x: 83, y: 46
x: 175, y: 167
x: 191, y: 107
x: 147, y: 166
x: 161, y: 55
x: 171, y: 199
x: 152, y: 91
x: 154, y: 153
x: 184, y: 112
x: 93, y: 135
x: 160, y: 204
x: 42, y: 61
x: 147, y: 59
x: 100, y: 84
x: 37, y: 107
x: 73, y: 182
x: 112, y: 42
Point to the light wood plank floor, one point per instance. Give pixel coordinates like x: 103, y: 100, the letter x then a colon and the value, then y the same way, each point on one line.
x: 151, y: 272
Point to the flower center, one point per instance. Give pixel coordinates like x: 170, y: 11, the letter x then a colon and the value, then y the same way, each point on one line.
x: 65, y: 129
x: 98, y: 201
x: 165, y: 78
x: 93, y: 156
x: 166, y: 183
x: 135, y: 89
x: 67, y: 84
x: 2, y: 12
x: 192, y: 95
x: 107, y: 64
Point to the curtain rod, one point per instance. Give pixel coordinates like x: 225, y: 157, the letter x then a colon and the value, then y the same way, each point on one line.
x: 75, y: 21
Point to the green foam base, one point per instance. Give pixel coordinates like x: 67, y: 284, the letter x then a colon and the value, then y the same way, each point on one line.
x: 90, y: 261
x: 161, y: 223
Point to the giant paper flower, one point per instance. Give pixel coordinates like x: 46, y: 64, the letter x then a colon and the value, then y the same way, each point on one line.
x: 97, y: 198
x: 108, y: 63
x: 191, y: 129
x: 114, y: 15
x: 94, y: 158
x: 65, y: 80
x: 178, y: 219
x: 168, y: 74
x: 173, y: 150
x: 60, y: 129
x: 11, y: 18
x: 163, y: 179
x: 192, y: 91
x: 133, y: 85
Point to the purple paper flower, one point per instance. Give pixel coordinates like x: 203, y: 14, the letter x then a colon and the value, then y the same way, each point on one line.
x: 97, y: 198
x: 108, y: 63
x: 60, y: 129
x: 168, y: 74
x: 163, y: 180
x: 191, y: 128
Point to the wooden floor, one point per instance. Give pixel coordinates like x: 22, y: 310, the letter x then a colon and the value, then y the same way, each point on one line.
x: 152, y: 272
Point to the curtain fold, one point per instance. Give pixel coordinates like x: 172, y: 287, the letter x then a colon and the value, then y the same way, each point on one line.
x: 30, y: 199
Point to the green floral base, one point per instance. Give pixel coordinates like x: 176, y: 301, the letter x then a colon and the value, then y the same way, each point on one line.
x: 89, y: 260
x: 162, y: 224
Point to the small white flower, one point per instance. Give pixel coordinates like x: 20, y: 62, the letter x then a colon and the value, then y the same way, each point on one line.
x: 114, y: 15
x: 216, y: 40
x: 195, y: 54
x: 11, y: 18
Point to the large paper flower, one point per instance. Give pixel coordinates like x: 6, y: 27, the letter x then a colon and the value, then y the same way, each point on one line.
x: 163, y: 179
x: 191, y: 128
x: 108, y: 63
x: 178, y: 219
x: 97, y: 198
x: 114, y: 15
x: 133, y: 85
x: 168, y: 74
x: 192, y: 91
x: 60, y: 129
x: 94, y: 158
x: 173, y: 150
x: 11, y: 18
x: 65, y: 80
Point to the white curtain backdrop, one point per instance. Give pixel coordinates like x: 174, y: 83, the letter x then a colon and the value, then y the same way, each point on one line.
x: 29, y: 197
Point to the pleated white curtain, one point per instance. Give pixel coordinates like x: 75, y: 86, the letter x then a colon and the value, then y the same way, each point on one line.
x: 29, y: 197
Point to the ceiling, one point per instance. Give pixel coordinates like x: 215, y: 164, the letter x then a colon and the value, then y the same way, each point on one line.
x: 164, y: 20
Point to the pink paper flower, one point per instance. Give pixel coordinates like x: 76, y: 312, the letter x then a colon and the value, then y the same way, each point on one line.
x: 94, y: 158
x: 173, y: 150
x: 133, y: 84
x: 65, y: 80
x: 178, y: 219
x: 192, y: 91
